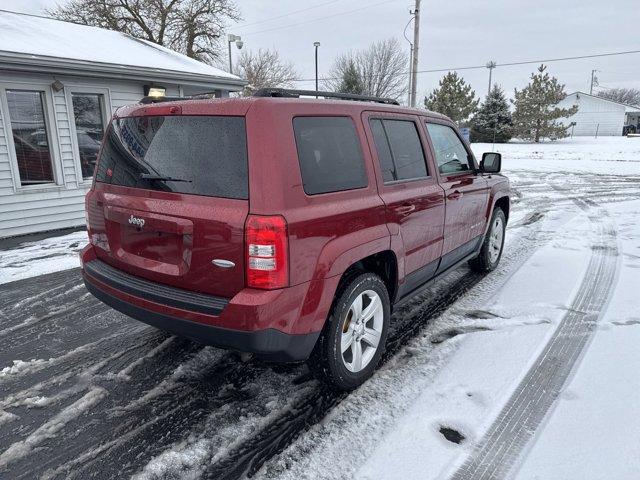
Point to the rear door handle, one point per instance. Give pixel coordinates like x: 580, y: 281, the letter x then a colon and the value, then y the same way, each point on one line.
x: 406, y: 209
x: 455, y: 195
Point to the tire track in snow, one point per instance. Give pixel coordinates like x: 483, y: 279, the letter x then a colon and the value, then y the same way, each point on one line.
x: 528, y: 405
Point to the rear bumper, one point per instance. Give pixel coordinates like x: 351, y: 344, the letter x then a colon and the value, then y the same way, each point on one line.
x: 269, y: 344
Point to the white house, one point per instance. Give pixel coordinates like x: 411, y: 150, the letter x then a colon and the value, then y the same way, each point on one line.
x: 59, y: 85
x: 598, y: 116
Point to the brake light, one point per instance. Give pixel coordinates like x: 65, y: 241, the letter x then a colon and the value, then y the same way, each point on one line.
x: 267, y: 252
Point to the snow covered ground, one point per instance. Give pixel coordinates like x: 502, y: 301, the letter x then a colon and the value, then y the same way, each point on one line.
x: 396, y: 426
x: 31, y: 259
x: 478, y: 371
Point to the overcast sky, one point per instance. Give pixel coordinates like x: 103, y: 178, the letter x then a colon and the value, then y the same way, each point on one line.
x: 453, y: 34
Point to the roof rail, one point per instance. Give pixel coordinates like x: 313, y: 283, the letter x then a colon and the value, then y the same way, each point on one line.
x: 286, y: 93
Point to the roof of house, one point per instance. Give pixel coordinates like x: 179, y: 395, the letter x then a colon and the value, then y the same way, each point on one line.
x: 627, y: 108
x: 35, y: 41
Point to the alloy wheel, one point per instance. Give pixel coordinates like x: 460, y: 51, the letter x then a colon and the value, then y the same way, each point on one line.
x: 361, y: 331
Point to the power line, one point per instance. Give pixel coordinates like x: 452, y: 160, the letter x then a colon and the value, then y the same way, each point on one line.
x: 293, y: 12
x: 319, y: 18
x: 507, y: 64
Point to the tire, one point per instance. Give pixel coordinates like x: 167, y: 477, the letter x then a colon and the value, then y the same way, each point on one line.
x: 492, y: 245
x: 341, y: 368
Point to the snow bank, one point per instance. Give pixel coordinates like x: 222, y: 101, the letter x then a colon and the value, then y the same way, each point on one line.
x: 32, y: 259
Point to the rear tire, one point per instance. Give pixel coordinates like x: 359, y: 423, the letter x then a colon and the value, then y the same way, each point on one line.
x: 492, y: 246
x: 354, y: 337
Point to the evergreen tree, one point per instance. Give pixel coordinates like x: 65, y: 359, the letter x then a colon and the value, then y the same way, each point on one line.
x: 492, y: 123
x: 535, y: 116
x: 351, y: 81
x: 453, y: 98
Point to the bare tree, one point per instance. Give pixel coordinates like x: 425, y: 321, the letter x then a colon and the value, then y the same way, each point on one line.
x: 191, y: 27
x: 628, y: 96
x: 263, y: 69
x: 381, y: 70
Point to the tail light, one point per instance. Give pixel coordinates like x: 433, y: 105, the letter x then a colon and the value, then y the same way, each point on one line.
x: 267, y: 247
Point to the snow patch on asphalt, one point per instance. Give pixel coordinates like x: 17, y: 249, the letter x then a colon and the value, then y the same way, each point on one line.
x: 190, y: 369
x: 6, y: 417
x: 32, y: 259
x: 49, y: 429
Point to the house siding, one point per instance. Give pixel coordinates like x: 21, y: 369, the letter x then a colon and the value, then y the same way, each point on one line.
x: 595, y: 116
x: 52, y: 207
x: 6, y: 175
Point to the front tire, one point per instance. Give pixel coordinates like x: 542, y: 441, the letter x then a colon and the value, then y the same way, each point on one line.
x: 492, y: 246
x: 354, y: 338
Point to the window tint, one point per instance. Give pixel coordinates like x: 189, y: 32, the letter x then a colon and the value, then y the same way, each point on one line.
x: 87, y: 113
x: 399, y: 149
x: 30, y: 137
x: 384, y: 152
x: 329, y: 154
x: 451, y: 155
x: 202, y: 155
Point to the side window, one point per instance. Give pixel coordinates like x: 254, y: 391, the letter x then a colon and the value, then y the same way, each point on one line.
x: 451, y: 156
x: 399, y: 149
x: 384, y: 151
x: 329, y: 154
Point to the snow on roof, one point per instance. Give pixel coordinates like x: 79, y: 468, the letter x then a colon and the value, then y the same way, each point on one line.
x: 31, y: 35
x: 627, y: 108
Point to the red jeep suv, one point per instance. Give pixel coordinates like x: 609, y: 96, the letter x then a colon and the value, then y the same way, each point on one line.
x: 286, y: 226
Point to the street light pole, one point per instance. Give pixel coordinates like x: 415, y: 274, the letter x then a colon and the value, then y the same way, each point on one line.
x: 316, y: 44
x: 238, y: 41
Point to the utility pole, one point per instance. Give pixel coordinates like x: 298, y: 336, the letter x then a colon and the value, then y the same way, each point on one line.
x: 594, y: 81
x: 490, y: 65
x: 416, y: 45
x: 410, y: 73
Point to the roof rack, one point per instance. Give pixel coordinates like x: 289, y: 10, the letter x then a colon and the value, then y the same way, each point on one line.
x: 286, y: 93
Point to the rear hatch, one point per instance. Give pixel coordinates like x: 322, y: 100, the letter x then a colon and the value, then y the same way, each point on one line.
x: 171, y: 197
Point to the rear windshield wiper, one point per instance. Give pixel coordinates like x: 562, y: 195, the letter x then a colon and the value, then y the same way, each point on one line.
x: 150, y: 176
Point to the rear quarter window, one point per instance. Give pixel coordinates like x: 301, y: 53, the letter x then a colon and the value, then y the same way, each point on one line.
x: 200, y: 155
x: 329, y: 154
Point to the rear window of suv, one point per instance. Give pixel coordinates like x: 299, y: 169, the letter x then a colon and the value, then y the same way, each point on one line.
x: 329, y: 154
x: 201, y: 155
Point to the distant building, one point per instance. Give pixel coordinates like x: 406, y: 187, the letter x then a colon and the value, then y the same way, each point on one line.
x: 59, y: 85
x: 598, y: 116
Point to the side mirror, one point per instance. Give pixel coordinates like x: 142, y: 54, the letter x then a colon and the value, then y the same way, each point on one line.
x: 491, y: 162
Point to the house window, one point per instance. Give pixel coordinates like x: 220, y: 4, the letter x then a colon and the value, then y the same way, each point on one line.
x: 30, y: 137
x: 89, y: 120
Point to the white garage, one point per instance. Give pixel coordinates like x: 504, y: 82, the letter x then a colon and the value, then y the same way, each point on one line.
x: 598, y: 116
